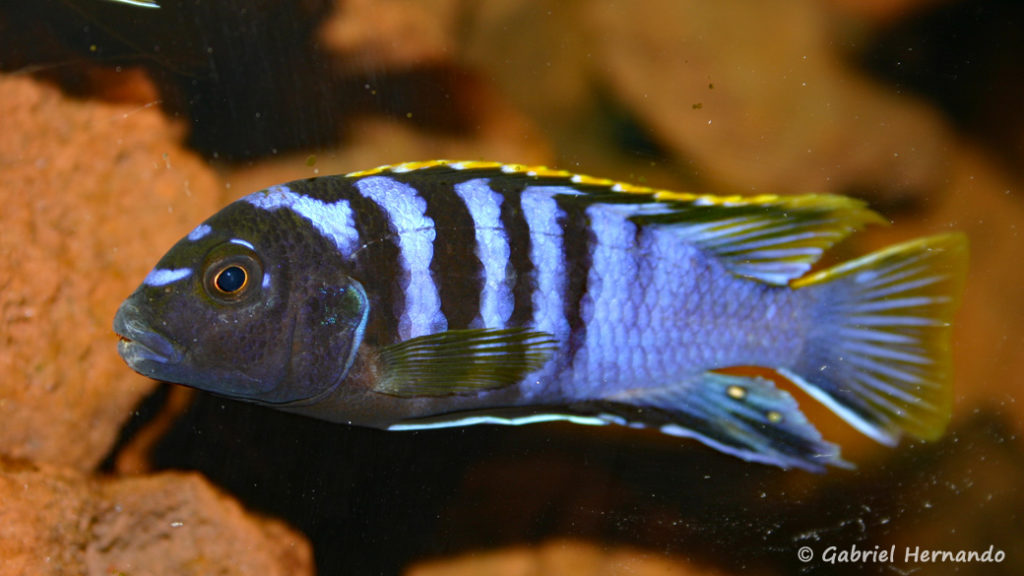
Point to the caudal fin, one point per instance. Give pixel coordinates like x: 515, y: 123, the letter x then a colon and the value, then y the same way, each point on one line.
x: 878, y: 354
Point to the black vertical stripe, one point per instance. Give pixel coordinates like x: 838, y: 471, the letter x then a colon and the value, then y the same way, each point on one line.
x: 456, y: 267
x: 577, y: 241
x: 521, y: 266
x: 378, y: 266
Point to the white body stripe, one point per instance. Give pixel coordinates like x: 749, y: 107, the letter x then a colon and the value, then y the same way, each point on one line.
x: 547, y: 252
x: 163, y: 276
x: 406, y: 212
x: 334, y: 220
x: 612, y: 306
x: 492, y: 248
x: 199, y: 233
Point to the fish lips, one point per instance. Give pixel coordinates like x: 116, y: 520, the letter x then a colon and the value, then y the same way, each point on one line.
x: 145, y: 350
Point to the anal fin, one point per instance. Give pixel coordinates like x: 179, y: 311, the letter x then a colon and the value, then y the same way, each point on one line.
x: 747, y: 417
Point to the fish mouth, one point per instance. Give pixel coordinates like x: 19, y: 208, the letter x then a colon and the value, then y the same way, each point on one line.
x: 138, y: 344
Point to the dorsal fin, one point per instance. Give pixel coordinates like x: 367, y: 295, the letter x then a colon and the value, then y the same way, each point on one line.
x: 769, y: 238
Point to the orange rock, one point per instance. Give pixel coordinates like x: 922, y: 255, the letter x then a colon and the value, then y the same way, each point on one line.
x: 57, y: 521
x: 44, y: 520
x: 92, y: 194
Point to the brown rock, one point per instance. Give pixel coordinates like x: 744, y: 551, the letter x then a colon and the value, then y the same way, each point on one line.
x: 56, y: 521
x: 758, y: 97
x: 548, y: 77
x: 92, y: 195
x: 724, y: 96
x: 392, y: 33
x: 44, y: 520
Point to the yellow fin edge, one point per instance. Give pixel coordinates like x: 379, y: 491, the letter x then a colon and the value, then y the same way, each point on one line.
x: 795, y: 202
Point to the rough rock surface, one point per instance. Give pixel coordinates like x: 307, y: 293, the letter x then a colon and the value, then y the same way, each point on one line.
x: 58, y: 521
x: 92, y: 195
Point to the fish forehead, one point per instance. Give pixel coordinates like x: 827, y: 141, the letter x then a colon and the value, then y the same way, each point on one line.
x: 234, y: 224
x: 184, y: 259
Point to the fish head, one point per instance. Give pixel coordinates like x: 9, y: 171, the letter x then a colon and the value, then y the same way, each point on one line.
x: 251, y: 305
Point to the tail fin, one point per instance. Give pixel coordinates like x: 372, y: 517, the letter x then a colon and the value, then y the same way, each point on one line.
x: 878, y: 354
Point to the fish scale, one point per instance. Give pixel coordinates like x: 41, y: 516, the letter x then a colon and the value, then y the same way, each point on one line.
x: 720, y: 317
x: 436, y: 294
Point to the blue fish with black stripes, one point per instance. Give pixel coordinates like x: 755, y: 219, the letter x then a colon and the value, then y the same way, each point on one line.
x: 441, y: 293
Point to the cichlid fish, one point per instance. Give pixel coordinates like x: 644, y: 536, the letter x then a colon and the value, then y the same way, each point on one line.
x: 435, y: 294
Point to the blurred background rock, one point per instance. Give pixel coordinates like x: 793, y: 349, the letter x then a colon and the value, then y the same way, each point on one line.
x: 124, y: 126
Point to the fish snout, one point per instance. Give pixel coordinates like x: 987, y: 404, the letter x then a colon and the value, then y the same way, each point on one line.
x: 138, y: 343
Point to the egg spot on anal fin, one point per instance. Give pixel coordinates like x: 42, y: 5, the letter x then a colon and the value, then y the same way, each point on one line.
x: 746, y: 416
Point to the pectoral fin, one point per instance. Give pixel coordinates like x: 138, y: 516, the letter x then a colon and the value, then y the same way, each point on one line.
x: 462, y: 361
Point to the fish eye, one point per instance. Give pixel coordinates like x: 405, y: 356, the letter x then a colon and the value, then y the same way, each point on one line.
x: 229, y: 272
x: 231, y: 279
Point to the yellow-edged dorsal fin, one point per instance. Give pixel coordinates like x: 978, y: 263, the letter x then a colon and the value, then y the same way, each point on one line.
x: 769, y: 238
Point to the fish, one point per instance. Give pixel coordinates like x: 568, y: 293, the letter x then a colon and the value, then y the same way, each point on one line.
x: 451, y: 293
